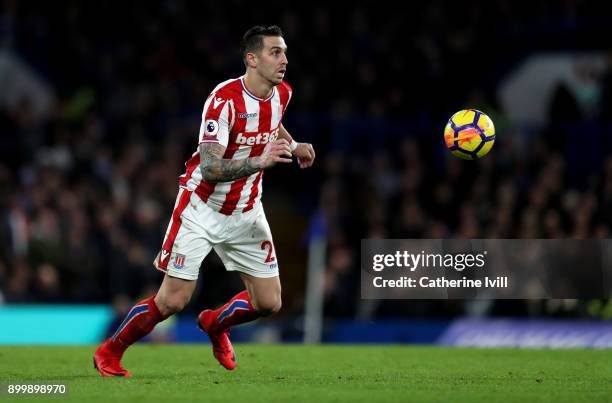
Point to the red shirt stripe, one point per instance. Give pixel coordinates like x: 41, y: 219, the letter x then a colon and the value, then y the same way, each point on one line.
x: 191, y: 165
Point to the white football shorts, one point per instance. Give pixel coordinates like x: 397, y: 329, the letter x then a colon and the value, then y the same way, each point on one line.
x: 242, y: 241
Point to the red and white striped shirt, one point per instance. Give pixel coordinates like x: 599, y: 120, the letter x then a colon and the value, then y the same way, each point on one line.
x: 244, y: 124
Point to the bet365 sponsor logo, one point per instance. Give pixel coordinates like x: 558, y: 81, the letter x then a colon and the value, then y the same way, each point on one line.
x: 251, y: 139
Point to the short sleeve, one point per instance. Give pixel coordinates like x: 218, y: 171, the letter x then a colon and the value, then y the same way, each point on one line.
x: 216, y: 120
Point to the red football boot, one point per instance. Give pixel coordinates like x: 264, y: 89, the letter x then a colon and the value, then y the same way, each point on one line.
x: 108, y: 364
x: 221, y: 344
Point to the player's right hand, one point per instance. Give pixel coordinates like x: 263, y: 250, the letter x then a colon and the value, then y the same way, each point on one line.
x: 275, y: 152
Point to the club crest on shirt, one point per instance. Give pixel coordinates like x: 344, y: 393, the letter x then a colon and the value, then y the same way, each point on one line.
x: 179, y: 261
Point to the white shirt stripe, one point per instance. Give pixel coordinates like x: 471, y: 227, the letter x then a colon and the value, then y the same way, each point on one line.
x: 242, y: 153
x: 252, y: 108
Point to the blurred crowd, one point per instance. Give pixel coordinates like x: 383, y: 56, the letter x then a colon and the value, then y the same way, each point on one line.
x: 87, y: 186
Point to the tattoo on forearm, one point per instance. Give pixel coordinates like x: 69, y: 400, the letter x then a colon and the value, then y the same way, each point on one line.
x: 217, y: 169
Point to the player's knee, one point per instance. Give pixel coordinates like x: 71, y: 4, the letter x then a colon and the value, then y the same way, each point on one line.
x: 269, y: 306
x: 171, y: 304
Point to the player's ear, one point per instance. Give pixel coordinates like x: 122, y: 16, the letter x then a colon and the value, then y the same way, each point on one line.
x: 251, y: 59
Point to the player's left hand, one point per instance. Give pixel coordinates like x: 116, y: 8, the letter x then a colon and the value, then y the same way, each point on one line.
x: 305, y: 155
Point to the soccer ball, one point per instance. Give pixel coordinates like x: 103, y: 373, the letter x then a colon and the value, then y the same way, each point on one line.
x: 469, y: 134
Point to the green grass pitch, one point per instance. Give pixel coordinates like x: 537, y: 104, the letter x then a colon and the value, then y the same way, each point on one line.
x: 329, y: 373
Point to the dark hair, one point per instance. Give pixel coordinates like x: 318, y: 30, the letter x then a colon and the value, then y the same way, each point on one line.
x: 252, y: 40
